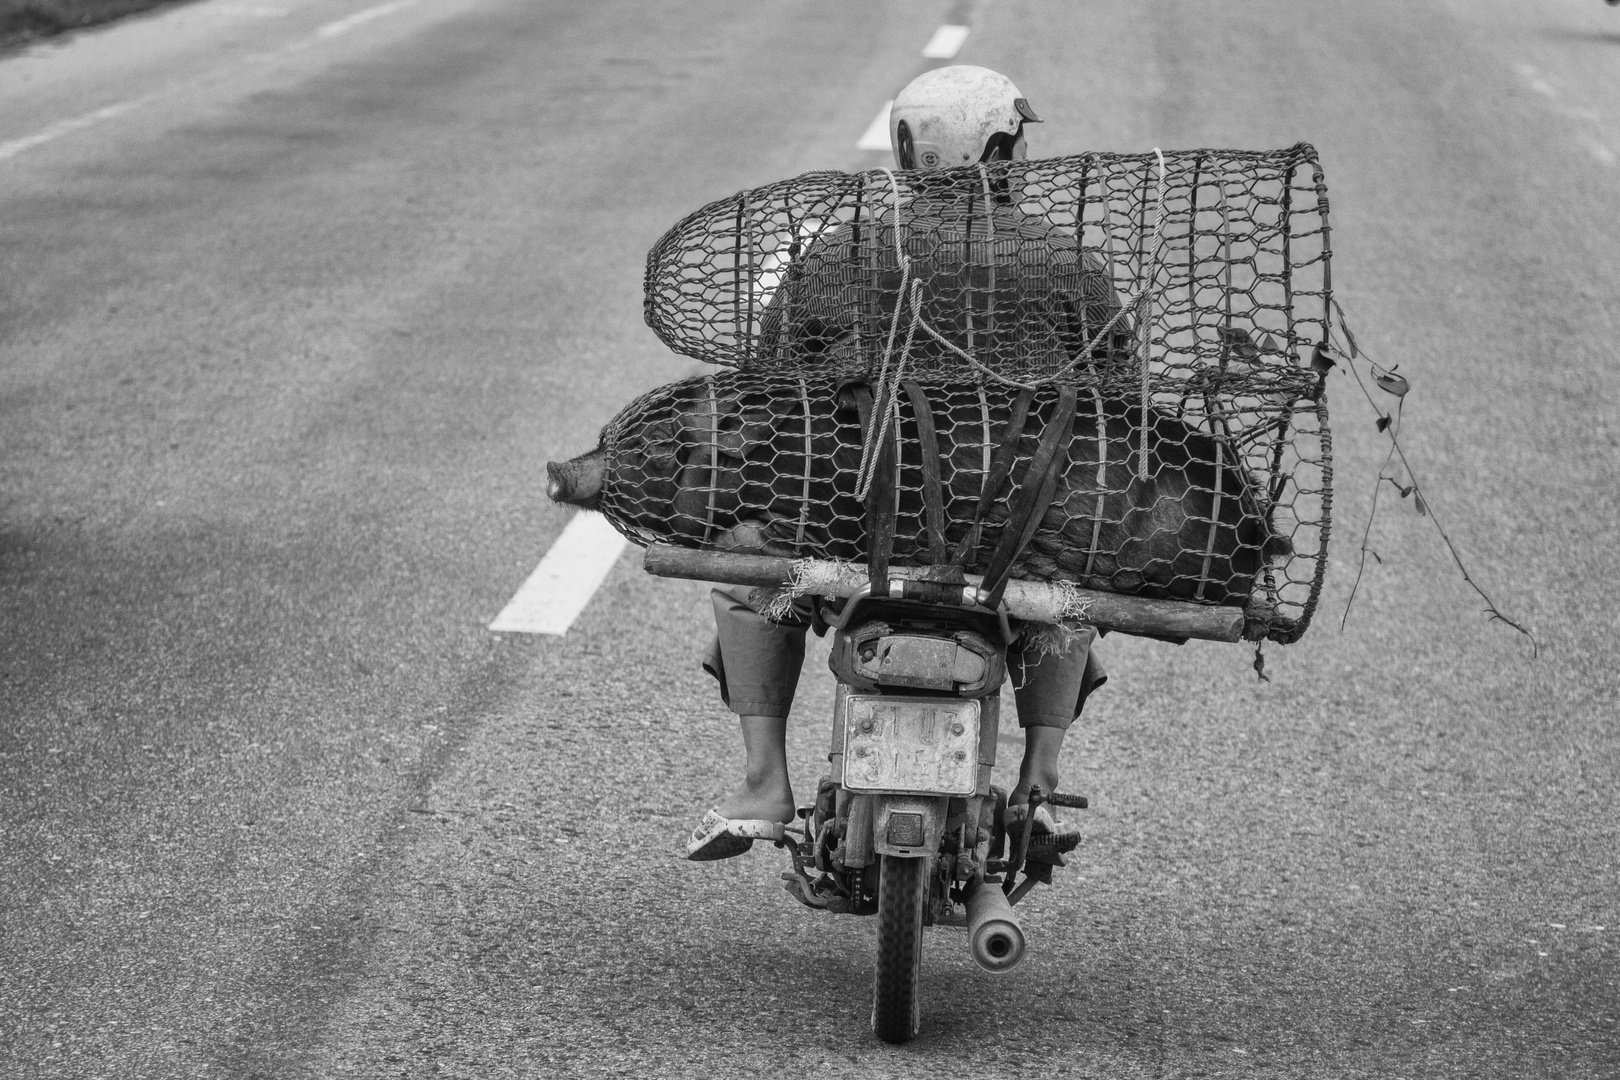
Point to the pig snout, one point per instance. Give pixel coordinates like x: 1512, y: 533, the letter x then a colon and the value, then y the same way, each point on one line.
x: 577, y: 482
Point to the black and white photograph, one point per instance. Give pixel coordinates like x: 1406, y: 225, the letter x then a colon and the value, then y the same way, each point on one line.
x: 810, y: 538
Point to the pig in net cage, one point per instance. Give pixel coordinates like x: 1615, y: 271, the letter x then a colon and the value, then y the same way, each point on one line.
x: 890, y: 331
x: 1062, y: 483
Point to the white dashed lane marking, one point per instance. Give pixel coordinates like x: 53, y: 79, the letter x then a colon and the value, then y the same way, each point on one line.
x: 65, y: 127
x: 944, y: 45
x: 876, y: 135
x: 1600, y: 150
x: 566, y: 579
x: 946, y: 42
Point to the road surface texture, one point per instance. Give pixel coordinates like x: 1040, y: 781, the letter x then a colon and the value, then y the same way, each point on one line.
x: 298, y: 297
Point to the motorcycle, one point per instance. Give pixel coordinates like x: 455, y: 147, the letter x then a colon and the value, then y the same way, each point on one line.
x: 1187, y: 456
x: 906, y: 826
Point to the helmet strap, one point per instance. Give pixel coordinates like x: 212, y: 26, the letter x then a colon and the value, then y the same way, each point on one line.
x: 905, y: 150
x: 999, y: 147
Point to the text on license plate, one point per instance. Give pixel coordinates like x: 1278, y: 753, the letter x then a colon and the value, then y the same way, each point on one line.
x: 911, y: 744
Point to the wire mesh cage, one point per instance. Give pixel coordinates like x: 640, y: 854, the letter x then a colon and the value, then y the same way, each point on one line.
x: 1182, y: 263
x: 1179, y: 300
x: 1160, y: 503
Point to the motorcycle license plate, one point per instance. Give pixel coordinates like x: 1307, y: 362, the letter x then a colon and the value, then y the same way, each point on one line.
x: 911, y: 744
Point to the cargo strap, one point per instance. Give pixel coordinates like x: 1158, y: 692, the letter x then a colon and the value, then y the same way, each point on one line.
x: 1000, y: 467
x: 880, y: 510
x: 932, y: 492
x: 1029, y: 502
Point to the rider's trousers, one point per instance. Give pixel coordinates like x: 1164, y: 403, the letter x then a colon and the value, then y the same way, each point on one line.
x: 757, y: 663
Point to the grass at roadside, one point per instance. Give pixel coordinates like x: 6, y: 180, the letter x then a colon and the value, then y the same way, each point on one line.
x: 22, y: 21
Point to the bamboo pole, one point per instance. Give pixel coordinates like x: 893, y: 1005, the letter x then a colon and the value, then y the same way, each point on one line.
x: 1035, y: 601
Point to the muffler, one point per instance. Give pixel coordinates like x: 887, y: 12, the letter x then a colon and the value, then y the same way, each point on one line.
x: 994, y: 936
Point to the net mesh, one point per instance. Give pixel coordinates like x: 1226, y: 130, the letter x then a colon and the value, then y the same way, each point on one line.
x: 1181, y: 293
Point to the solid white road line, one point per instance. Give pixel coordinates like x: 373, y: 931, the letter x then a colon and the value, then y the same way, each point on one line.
x: 565, y: 580
x: 876, y: 136
x: 360, y: 18
x: 64, y: 127
x: 79, y: 123
x: 946, y: 42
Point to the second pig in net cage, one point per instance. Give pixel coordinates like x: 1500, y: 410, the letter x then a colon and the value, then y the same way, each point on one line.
x: 1194, y: 265
x: 1170, y: 501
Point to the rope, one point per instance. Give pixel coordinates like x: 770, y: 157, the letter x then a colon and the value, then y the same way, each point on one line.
x: 874, y: 438
x: 1102, y: 480
x: 888, y: 401
x: 1137, y: 299
x: 990, y: 263
x: 809, y: 457
x: 910, y: 291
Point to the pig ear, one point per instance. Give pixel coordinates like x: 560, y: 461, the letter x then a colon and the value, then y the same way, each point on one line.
x: 661, y: 445
x: 740, y: 430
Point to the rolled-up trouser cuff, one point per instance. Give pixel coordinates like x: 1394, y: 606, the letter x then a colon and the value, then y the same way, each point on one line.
x: 756, y: 661
x: 1051, y: 687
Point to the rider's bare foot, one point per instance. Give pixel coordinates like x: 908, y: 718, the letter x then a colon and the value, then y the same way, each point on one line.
x: 747, y: 803
x: 766, y: 793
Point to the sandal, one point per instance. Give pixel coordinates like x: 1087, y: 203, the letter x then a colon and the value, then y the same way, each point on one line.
x: 718, y: 837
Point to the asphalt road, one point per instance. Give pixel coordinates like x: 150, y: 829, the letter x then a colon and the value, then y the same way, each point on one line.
x: 297, y: 298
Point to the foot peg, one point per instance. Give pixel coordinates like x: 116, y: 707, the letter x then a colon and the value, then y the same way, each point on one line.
x: 1061, y: 842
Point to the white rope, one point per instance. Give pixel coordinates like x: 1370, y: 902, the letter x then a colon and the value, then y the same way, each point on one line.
x: 714, y: 458
x: 910, y: 292
x: 873, y: 439
x: 1102, y: 480
x: 990, y: 263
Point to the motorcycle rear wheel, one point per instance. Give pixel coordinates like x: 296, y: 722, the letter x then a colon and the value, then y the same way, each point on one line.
x: 902, y: 891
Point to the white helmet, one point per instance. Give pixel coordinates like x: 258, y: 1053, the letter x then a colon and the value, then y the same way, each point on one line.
x: 956, y: 116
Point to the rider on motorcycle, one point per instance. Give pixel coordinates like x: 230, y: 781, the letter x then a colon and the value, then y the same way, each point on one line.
x: 944, y: 118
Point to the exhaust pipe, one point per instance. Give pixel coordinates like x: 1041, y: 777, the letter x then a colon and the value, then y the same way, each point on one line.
x: 994, y: 936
